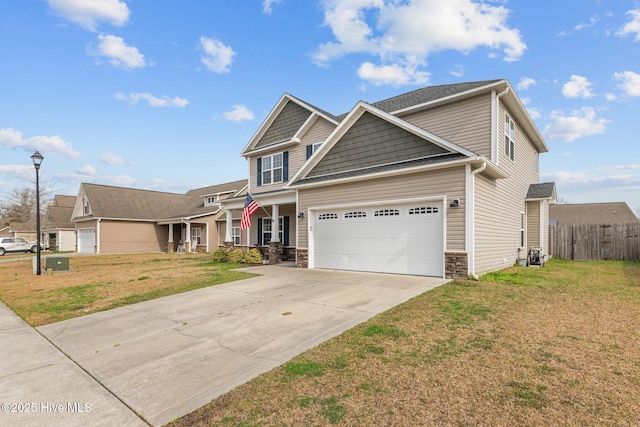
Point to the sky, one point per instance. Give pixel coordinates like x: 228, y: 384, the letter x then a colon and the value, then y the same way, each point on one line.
x: 165, y: 94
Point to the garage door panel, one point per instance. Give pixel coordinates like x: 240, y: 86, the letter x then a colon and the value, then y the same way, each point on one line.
x: 395, y: 238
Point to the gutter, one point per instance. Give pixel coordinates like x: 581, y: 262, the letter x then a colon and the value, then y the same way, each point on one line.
x: 470, y: 220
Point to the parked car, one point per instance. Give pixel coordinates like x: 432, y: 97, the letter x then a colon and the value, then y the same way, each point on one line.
x: 17, y: 244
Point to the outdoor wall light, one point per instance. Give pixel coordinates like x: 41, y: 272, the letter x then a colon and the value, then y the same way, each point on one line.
x: 455, y: 203
x: 301, y: 215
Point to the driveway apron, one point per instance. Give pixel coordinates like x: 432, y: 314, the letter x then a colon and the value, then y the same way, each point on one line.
x: 167, y: 357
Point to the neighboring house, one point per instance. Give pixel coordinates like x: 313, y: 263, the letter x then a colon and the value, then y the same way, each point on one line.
x: 26, y: 230
x: 591, y: 213
x: 116, y: 219
x: 441, y: 181
x: 58, y: 231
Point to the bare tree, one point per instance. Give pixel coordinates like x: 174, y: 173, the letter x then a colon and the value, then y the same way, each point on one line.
x: 20, y: 204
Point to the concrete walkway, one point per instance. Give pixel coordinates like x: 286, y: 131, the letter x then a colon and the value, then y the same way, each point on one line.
x: 168, y: 357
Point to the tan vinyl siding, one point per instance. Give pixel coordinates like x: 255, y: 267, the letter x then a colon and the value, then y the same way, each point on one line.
x: 533, y: 224
x: 467, y: 123
x: 446, y: 182
x: 125, y: 236
x: 499, y: 203
x: 318, y: 132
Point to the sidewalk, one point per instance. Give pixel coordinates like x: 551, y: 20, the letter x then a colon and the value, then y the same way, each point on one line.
x: 40, y: 386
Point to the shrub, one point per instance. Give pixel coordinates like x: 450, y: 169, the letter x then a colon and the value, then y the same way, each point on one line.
x: 253, y: 256
x: 221, y: 255
x: 236, y: 256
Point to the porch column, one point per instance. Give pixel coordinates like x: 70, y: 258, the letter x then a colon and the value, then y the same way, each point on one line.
x: 170, y: 240
x: 187, y: 239
x: 275, y: 214
x: 228, y: 238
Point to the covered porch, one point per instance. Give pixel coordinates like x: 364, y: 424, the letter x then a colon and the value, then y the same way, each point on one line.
x: 273, y: 225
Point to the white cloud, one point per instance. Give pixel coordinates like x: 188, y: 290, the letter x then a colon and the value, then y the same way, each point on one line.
x: 119, y: 53
x: 152, y: 101
x: 577, y: 87
x: 87, y: 170
x: 239, y: 113
x: 632, y: 27
x: 114, y: 160
x: 629, y: 82
x: 217, y: 56
x: 525, y: 83
x: 393, y: 74
x: 403, y: 34
x: 267, y: 6
x: 24, y: 171
x: 87, y: 13
x: 579, y: 124
x: 592, y: 21
x: 45, y: 144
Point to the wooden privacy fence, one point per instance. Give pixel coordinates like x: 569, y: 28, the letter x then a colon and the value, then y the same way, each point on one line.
x: 584, y: 242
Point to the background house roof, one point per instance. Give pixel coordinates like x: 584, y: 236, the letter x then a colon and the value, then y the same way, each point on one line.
x: 591, y: 213
x: 131, y: 203
x: 59, y: 213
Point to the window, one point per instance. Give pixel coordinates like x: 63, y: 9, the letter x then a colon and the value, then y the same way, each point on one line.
x: 210, y: 200
x: 85, y: 206
x: 312, y: 148
x: 196, y: 236
x: 423, y: 210
x: 267, y: 230
x: 328, y: 216
x: 356, y: 214
x: 387, y: 212
x: 235, y: 235
x: 509, y: 137
x: 272, y: 169
x: 522, y: 242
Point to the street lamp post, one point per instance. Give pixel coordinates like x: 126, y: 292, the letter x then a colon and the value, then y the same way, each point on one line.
x: 37, y: 161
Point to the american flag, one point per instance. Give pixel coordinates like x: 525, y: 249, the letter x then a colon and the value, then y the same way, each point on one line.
x: 250, y: 207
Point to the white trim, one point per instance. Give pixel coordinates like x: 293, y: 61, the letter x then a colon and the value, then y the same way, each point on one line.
x: 542, y: 227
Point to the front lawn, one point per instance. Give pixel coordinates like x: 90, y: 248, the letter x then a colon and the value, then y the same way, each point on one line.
x: 558, y: 345
x: 97, y: 283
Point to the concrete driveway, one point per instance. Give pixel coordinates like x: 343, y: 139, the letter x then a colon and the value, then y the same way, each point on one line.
x: 168, y: 357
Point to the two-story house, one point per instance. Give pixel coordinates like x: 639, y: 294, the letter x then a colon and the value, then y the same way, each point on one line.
x: 441, y: 181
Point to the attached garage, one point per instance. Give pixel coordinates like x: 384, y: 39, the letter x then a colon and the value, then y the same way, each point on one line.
x: 402, y: 238
x: 86, y: 240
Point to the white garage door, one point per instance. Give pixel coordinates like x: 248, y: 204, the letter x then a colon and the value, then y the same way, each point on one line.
x: 394, y: 238
x: 86, y: 240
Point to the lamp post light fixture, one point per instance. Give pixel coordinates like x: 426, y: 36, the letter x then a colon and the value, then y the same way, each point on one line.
x: 37, y: 161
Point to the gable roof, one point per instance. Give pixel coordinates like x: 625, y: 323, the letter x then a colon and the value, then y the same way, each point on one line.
x: 59, y: 213
x: 146, y: 205
x: 370, y: 141
x: 591, y: 213
x: 542, y: 191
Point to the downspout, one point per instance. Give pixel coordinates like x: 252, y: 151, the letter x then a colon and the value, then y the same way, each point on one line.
x: 98, y: 235
x: 471, y: 228
x: 495, y: 150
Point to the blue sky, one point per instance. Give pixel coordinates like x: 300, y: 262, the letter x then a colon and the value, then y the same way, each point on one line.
x: 164, y: 94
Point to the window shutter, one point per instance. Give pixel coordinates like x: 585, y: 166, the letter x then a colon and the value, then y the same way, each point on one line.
x: 285, y: 166
x: 259, y: 171
x: 260, y: 231
x: 309, y: 150
x: 285, y: 231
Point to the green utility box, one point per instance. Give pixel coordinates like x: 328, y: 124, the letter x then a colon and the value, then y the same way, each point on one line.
x: 56, y: 263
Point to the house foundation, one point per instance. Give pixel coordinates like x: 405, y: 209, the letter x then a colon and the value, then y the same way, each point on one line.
x: 302, y: 258
x: 276, y: 252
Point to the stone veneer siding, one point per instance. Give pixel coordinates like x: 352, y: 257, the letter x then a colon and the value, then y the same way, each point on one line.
x: 302, y: 258
x: 456, y: 265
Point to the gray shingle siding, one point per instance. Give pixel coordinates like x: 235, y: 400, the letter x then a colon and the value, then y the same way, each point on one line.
x: 285, y: 126
x: 372, y: 141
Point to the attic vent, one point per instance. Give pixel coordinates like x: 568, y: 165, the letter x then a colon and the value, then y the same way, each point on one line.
x: 355, y: 214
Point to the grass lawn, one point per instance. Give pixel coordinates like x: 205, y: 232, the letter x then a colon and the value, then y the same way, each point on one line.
x: 97, y: 283
x: 553, y: 346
